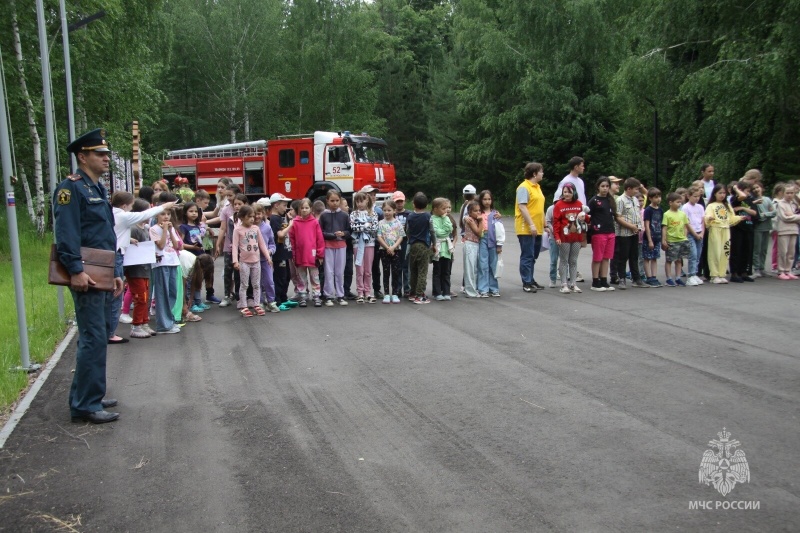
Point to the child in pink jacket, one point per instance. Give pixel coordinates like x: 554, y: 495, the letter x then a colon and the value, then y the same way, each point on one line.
x: 308, y: 252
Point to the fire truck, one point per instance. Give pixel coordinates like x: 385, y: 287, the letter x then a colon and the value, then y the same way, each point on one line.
x: 296, y: 166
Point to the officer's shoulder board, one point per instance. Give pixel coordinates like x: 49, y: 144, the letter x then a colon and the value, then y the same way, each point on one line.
x: 74, y: 177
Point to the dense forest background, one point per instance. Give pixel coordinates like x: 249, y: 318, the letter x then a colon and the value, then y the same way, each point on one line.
x: 462, y: 90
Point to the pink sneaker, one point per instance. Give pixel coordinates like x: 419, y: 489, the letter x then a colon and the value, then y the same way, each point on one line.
x: 791, y: 276
x: 783, y: 276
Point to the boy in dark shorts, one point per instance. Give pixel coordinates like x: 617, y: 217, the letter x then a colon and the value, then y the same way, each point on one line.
x: 651, y: 243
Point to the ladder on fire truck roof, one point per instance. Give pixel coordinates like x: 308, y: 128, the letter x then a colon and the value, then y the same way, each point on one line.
x: 252, y: 148
x: 296, y: 136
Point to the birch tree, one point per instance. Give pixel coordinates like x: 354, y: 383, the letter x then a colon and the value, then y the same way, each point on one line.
x: 36, y: 202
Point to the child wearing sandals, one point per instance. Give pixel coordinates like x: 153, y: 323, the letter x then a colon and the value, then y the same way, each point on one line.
x: 247, y: 242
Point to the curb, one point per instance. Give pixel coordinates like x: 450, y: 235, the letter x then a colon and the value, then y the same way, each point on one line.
x: 23, y: 406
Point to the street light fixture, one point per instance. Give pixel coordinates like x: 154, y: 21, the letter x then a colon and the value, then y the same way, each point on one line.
x: 65, y: 29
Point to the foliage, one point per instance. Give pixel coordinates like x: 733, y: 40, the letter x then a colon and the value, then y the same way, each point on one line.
x: 463, y: 91
x: 724, y: 78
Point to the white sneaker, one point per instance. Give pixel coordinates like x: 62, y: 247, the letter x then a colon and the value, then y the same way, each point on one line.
x: 138, y: 332
x: 149, y: 330
x: 125, y: 318
x: 699, y: 280
x: 225, y: 302
x: 564, y: 289
x: 575, y: 288
x: 579, y: 278
x: 173, y: 329
x: 692, y: 281
x: 552, y: 284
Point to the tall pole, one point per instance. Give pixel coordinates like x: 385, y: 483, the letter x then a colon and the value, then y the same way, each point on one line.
x: 455, y: 168
x: 48, y: 116
x: 68, y: 75
x: 11, y: 212
x: 48, y: 97
x: 455, y: 172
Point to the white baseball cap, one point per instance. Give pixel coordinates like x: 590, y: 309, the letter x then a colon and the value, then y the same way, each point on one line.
x: 264, y: 201
x: 278, y: 197
x: 368, y: 188
x: 470, y: 189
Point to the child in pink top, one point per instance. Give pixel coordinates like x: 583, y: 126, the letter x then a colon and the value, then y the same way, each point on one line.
x: 308, y: 252
x: 247, y: 242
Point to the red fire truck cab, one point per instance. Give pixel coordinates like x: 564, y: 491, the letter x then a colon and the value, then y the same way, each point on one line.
x: 295, y: 165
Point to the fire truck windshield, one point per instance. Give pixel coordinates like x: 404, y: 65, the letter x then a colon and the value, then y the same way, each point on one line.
x: 371, y: 153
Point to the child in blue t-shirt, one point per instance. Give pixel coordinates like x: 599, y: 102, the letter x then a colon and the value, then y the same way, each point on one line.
x: 651, y: 244
x: 421, y: 242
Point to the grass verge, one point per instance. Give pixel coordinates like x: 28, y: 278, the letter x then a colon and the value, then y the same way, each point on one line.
x: 45, y: 328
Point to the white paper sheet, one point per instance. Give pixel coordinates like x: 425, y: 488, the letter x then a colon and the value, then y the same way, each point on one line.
x: 143, y: 253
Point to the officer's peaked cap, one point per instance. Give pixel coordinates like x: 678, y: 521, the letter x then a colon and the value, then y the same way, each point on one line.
x: 91, y: 141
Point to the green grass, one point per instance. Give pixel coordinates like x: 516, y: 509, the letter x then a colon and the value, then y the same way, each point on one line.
x: 45, y: 329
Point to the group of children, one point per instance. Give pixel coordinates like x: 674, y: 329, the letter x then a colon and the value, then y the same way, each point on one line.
x: 276, y: 241
x: 710, y: 230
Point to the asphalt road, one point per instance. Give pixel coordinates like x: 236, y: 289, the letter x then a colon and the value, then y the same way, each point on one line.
x: 529, y: 412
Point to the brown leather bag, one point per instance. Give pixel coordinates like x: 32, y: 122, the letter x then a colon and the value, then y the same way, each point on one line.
x: 98, y: 264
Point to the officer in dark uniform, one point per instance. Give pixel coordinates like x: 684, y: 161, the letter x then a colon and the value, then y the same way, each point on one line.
x: 83, y: 217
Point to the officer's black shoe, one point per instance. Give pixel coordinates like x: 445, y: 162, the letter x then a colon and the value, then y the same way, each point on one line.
x: 108, y: 403
x: 98, y: 417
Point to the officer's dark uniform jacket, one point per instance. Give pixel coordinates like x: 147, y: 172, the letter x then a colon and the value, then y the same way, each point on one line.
x: 84, y: 218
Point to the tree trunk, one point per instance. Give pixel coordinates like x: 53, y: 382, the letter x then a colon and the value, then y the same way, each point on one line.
x: 38, y: 211
x: 28, y: 199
